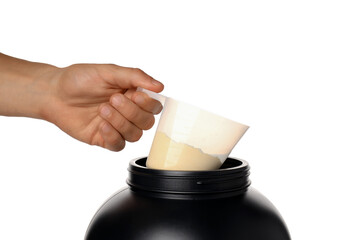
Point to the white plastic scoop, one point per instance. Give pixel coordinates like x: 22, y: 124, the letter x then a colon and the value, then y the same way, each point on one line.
x: 189, y: 138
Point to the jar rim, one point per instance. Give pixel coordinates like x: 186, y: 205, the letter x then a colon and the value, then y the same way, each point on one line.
x: 231, y: 179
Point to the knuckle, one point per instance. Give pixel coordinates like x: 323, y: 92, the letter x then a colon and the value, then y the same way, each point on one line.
x: 138, y: 71
x: 133, y: 114
x: 138, y: 74
x: 112, y: 65
x: 120, y: 123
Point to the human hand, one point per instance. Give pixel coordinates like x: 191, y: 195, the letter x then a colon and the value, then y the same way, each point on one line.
x: 98, y: 103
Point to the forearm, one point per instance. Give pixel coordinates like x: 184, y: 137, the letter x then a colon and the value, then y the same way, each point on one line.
x: 24, y: 87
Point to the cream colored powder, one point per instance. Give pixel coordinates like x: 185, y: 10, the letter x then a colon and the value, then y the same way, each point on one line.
x: 167, y: 154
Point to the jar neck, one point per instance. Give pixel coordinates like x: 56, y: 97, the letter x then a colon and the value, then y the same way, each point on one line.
x: 230, y: 180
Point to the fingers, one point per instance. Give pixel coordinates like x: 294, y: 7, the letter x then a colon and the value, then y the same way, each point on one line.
x: 127, y: 116
x: 131, y: 78
x: 112, y: 138
x: 140, y: 118
x: 126, y: 119
x: 121, y: 124
x: 147, y: 103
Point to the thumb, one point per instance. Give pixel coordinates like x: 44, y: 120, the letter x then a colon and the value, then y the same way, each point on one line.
x: 126, y: 78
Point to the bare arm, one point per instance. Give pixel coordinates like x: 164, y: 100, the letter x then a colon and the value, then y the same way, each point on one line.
x: 94, y: 103
x: 22, y: 92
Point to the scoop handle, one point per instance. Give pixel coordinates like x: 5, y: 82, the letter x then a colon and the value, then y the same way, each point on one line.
x: 154, y: 95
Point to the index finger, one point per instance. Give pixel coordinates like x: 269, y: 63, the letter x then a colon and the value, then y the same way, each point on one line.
x: 126, y: 78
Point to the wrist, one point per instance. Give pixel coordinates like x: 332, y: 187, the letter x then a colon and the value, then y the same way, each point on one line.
x: 25, y: 87
x: 43, y: 86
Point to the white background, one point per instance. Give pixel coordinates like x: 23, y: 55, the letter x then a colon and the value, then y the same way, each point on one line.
x: 289, y: 69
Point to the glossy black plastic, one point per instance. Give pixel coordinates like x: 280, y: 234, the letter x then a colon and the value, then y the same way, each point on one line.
x: 188, y: 205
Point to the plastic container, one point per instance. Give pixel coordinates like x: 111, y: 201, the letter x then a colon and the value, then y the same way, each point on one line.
x: 188, y: 205
x: 190, y: 138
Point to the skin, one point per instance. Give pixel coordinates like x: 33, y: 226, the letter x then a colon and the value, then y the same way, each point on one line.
x: 94, y: 103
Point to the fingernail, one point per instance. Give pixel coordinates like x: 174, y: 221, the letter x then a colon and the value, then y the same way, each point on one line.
x: 157, y: 109
x: 116, y: 100
x: 156, y: 83
x: 105, y: 111
x: 139, y: 99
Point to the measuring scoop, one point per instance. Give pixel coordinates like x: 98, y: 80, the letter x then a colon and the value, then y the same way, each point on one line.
x: 189, y: 138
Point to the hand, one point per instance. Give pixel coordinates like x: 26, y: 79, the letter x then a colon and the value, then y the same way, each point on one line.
x: 98, y: 103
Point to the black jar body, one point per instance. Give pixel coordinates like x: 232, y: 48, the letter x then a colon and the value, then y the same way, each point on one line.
x: 173, y: 210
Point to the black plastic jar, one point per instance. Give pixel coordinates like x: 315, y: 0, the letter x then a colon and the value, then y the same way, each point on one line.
x: 188, y: 205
